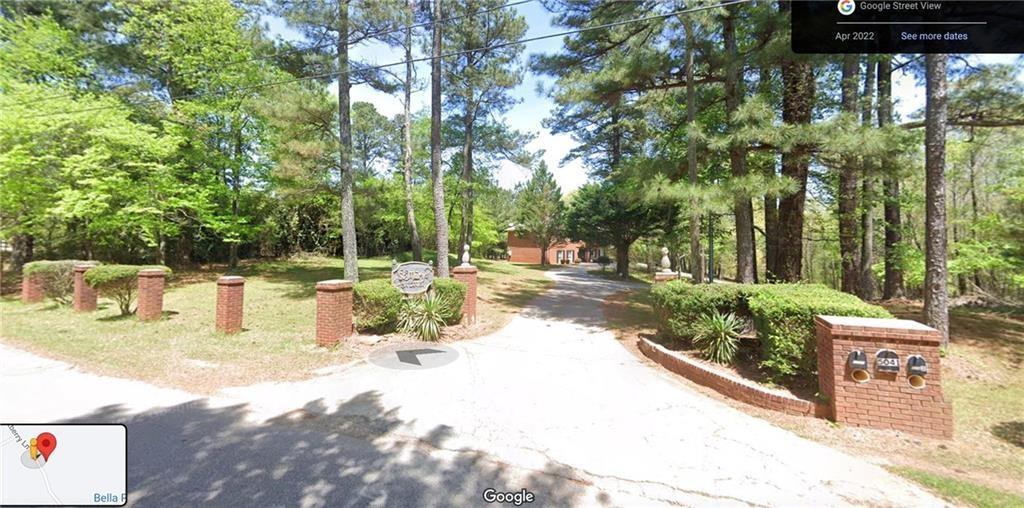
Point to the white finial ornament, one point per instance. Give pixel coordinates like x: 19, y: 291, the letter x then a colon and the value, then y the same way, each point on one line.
x: 465, y: 255
x: 666, y: 264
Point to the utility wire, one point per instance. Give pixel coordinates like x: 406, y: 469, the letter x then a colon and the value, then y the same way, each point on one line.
x: 375, y: 35
x: 429, y: 58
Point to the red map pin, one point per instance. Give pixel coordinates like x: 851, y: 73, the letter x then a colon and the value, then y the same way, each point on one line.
x: 46, y: 442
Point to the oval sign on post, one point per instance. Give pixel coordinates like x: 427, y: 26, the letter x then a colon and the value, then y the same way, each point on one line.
x: 412, y: 278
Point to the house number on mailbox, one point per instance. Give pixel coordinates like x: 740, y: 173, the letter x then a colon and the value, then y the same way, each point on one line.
x: 887, y: 361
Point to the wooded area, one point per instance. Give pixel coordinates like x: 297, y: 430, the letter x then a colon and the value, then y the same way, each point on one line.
x: 183, y: 132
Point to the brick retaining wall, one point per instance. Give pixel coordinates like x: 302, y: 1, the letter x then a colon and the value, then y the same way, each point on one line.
x: 735, y: 388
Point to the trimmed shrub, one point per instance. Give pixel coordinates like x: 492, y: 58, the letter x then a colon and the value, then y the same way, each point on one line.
x: 119, y: 282
x: 604, y: 261
x: 452, y: 294
x: 679, y: 305
x: 375, y: 305
x: 57, y: 277
x: 783, y: 315
x: 718, y: 336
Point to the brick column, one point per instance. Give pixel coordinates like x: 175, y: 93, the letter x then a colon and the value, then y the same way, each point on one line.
x: 333, y: 311
x: 31, y: 289
x: 151, y: 294
x: 886, y: 400
x: 467, y: 274
x: 662, y: 277
x: 230, y: 292
x: 84, y: 296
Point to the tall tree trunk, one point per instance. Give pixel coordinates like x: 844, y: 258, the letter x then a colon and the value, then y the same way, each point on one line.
x: 349, y: 245
x: 936, y: 313
x: 893, y: 287
x: 410, y: 208
x: 21, y: 251
x: 972, y: 168
x: 798, y: 92
x: 868, y: 287
x: 236, y: 189
x: 466, y: 231
x: 622, y: 259
x: 697, y: 270
x: 848, y: 180
x: 771, y: 203
x: 436, y: 174
x: 742, y: 208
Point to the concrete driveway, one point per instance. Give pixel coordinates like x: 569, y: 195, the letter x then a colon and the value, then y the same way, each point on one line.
x: 551, y: 404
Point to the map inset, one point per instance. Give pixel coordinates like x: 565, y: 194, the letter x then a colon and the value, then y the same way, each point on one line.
x: 87, y: 468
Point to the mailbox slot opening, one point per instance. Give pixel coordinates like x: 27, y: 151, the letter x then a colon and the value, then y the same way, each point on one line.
x: 857, y: 362
x: 916, y: 381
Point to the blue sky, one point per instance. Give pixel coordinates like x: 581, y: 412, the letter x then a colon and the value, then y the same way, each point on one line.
x: 528, y: 115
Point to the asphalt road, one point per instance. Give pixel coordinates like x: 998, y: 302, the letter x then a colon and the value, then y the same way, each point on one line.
x: 551, y: 404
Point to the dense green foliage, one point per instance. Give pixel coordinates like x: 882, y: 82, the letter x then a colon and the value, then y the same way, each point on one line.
x: 717, y: 336
x: 540, y: 207
x: 451, y: 293
x: 375, y: 305
x: 423, y: 317
x: 119, y: 282
x: 56, y: 277
x: 783, y: 315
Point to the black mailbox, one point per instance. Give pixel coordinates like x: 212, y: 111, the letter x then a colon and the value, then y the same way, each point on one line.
x: 917, y: 369
x: 887, y: 360
x: 857, y: 362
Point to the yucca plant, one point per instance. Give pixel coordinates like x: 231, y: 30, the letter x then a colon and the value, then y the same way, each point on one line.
x: 717, y: 336
x: 423, y: 317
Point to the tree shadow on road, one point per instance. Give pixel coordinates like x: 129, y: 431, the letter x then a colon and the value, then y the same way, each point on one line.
x: 355, y: 455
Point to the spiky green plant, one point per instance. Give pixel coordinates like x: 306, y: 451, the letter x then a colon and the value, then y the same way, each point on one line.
x: 423, y: 317
x: 718, y: 336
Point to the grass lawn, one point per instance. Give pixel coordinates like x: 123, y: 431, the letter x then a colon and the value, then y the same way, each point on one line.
x: 983, y: 376
x: 277, y: 343
x: 959, y: 491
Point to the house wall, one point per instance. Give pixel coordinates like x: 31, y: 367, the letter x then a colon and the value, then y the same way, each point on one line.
x: 523, y: 249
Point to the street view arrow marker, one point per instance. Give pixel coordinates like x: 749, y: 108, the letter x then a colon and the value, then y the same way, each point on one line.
x: 411, y: 356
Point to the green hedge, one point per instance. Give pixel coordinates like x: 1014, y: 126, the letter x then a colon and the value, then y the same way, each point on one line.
x: 783, y: 315
x: 452, y: 294
x: 679, y: 305
x: 56, y: 277
x: 119, y: 282
x: 375, y: 305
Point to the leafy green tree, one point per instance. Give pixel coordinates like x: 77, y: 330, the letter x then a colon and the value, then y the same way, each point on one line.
x: 479, y: 82
x: 611, y: 213
x: 540, y: 208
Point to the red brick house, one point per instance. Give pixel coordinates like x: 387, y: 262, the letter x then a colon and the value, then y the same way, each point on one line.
x: 523, y: 249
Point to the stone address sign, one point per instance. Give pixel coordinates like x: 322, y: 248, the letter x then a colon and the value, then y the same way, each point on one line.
x: 413, y: 277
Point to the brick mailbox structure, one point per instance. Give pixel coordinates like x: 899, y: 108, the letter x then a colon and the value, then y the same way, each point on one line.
x: 467, y: 275
x: 31, y: 289
x: 883, y: 373
x: 333, y: 311
x: 151, y: 294
x: 84, y: 295
x: 230, y: 293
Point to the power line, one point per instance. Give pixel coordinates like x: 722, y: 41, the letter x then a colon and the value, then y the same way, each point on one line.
x: 374, y: 35
x: 429, y: 58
